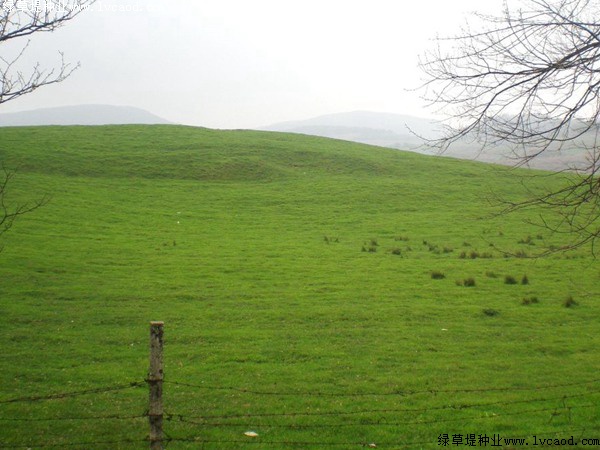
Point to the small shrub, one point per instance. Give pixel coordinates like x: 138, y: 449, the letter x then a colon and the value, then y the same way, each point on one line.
x: 469, y: 282
x: 401, y: 238
x: 569, y: 302
x: 448, y: 250
x: 462, y: 255
x: 525, y: 280
x: 509, y: 279
x: 370, y: 247
x: 529, y: 301
x: 491, y: 274
x: 490, y: 312
x: 437, y: 275
x: 473, y: 254
x: 396, y: 251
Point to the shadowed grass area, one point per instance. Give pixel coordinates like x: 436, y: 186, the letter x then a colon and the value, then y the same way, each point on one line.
x: 249, y: 245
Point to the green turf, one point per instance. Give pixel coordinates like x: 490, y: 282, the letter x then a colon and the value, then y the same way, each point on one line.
x: 294, y: 276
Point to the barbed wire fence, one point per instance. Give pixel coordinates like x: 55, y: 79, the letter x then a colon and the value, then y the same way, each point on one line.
x: 548, y: 400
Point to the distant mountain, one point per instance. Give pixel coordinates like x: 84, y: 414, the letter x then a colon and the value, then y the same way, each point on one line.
x: 81, y: 115
x: 383, y: 129
x: 403, y: 131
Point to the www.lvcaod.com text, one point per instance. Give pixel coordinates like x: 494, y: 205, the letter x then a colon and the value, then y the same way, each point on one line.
x: 496, y: 440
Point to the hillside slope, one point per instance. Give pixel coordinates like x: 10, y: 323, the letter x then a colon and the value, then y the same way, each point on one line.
x: 318, y: 292
x: 179, y: 152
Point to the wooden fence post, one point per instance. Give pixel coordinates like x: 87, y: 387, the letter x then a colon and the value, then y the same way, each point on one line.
x: 155, y: 382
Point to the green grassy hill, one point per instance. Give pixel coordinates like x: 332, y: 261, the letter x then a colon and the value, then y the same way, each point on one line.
x: 294, y: 276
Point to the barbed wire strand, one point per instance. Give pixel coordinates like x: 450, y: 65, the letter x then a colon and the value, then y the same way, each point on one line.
x: 382, y: 394
x: 183, y: 419
x: 72, y: 444
x: 73, y: 418
x: 198, y: 440
x: 62, y: 395
x: 396, y: 410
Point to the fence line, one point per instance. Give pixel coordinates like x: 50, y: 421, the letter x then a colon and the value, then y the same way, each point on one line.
x: 199, y: 421
x: 159, y: 438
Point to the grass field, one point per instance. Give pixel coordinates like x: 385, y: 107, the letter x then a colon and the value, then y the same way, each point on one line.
x: 321, y: 293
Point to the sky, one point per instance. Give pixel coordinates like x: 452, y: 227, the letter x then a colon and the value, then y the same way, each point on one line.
x: 246, y: 63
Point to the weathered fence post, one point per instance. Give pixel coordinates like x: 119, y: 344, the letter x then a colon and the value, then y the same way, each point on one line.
x: 155, y: 382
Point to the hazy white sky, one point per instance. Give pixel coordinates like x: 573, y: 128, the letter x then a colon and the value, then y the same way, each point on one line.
x: 247, y: 63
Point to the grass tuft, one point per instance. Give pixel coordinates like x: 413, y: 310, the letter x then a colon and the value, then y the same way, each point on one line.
x: 469, y: 282
x: 530, y: 301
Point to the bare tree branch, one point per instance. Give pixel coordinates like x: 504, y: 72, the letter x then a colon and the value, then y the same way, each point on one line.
x: 9, y: 213
x: 20, y: 20
x: 529, y: 79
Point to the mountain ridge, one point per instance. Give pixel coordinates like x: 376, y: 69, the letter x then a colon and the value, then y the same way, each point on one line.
x: 89, y: 114
x: 405, y: 132
x: 367, y: 127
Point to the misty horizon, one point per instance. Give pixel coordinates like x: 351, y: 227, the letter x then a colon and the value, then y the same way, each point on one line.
x: 237, y: 65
